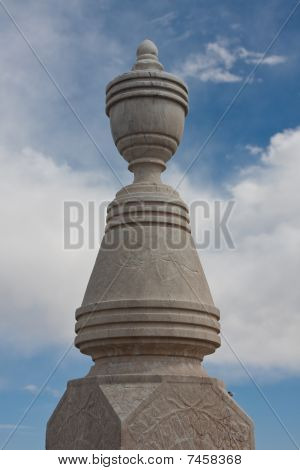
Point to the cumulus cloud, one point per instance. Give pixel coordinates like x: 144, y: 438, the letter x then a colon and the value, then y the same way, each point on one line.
x: 251, y: 57
x: 213, y: 65
x: 254, y: 149
x: 256, y: 285
x: 41, y: 283
x: 218, y: 62
x: 34, y: 109
x: 37, y: 277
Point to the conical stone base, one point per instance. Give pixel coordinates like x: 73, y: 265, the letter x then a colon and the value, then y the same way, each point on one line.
x: 148, y: 413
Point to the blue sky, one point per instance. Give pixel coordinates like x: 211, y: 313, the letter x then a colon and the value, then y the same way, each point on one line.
x: 47, y: 157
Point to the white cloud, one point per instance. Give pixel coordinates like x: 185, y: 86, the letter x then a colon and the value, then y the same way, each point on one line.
x: 31, y: 388
x: 251, y: 57
x: 254, y: 149
x: 256, y: 285
x: 217, y: 62
x: 213, y: 65
x: 165, y: 20
x: 41, y: 283
x: 34, y: 109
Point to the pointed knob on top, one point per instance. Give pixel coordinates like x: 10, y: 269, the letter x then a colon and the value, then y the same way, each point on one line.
x: 147, y: 57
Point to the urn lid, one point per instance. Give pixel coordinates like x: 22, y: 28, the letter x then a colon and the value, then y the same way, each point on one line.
x: 147, y: 57
x: 147, y: 78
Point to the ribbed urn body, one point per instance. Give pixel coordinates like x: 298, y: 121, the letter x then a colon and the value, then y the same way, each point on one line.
x: 147, y: 110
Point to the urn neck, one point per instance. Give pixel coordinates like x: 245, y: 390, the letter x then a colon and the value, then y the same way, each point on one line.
x: 147, y: 171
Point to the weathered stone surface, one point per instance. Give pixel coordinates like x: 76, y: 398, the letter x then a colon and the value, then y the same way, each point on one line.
x: 147, y: 294
x: 186, y: 414
x: 147, y: 318
x: 83, y: 419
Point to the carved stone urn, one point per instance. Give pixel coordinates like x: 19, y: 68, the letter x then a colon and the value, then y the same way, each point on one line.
x: 147, y: 318
x: 147, y: 108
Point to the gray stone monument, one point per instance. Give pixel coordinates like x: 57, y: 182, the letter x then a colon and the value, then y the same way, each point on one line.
x: 147, y: 318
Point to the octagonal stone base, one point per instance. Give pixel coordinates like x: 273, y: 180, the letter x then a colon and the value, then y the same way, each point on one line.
x: 148, y: 413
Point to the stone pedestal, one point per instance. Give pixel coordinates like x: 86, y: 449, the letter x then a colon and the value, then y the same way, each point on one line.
x: 148, y: 413
x: 147, y: 318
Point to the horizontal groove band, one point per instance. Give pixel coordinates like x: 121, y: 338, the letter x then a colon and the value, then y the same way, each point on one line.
x: 146, y: 93
x: 147, y: 138
x: 155, y: 319
x: 147, y: 223
x: 140, y: 199
x: 145, y: 211
x: 203, y: 334
x: 138, y: 87
x: 148, y: 305
x: 133, y: 76
x: 150, y: 216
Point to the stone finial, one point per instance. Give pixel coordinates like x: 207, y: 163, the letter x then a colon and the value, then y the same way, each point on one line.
x: 147, y: 57
x: 147, y: 318
x: 147, y: 109
x: 151, y: 319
